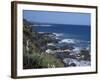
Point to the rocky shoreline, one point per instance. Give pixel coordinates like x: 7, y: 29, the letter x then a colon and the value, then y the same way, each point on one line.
x: 67, y: 52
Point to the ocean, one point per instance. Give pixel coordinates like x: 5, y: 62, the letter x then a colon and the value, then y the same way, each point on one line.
x: 80, y: 32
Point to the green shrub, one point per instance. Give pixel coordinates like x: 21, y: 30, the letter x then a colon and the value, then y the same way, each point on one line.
x: 36, y: 60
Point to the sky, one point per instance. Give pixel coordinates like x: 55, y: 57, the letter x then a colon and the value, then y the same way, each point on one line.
x: 52, y: 17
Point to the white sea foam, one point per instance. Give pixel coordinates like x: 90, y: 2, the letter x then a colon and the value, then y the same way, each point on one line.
x: 58, y: 34
x: 50, y: 44
x: 67, y: 41
x: 76, y: 50
x: 88, y: 47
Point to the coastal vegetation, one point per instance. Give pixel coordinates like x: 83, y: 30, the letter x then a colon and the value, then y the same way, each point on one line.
x: 33, y: 51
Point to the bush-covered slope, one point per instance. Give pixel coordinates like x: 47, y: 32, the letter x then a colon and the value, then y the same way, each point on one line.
x: 33, y: 53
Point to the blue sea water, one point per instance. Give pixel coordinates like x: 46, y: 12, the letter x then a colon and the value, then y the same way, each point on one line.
x: 80, y: 32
